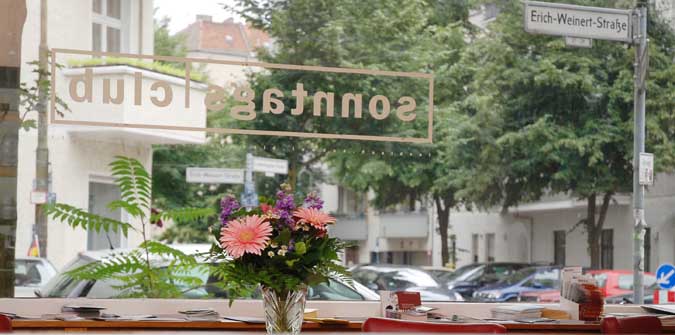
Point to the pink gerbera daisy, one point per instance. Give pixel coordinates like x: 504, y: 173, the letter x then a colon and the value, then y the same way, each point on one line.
x: 313, y: 217
x: 249, y: 234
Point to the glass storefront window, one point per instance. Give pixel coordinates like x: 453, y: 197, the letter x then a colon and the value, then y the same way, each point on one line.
x: 451, y: 145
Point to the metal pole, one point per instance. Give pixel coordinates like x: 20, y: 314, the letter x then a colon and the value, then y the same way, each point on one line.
x: 641, y: 63
x: 42, y: 151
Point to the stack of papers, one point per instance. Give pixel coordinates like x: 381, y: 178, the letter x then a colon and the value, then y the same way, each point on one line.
x: 517, y: 312
x: 202, y: 314
x: 74, y: 311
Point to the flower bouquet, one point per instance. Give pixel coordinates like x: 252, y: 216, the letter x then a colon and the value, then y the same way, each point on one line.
x: 280, y: 247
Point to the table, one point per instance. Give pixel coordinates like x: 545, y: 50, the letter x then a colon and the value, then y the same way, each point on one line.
x: 564, y: 326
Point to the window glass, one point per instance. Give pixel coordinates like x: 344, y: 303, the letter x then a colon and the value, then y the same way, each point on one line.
x: 96, y: 37
x: 96, y: 6
x: 114, y: 9
x: 460, y: 155
x: 113, y: 40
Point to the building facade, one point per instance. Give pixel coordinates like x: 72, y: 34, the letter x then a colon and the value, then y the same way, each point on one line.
x: 79, y: 155
x: 227, y: 41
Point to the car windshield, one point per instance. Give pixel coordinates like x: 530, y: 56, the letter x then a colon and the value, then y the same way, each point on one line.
x: 518, y: 276
x: 626, y: 281
x: 466, y: 273
x: 63, y: 286
x: 402, y: 279
x: 27, y: 272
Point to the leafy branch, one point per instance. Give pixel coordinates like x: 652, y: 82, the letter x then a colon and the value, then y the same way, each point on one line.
x: 151, y: 270
x: 77, y: 218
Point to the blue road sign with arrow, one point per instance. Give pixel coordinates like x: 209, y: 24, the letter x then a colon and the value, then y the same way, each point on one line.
x: 665, y: 276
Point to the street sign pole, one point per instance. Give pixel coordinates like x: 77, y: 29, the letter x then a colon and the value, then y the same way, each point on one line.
x: 614, y: 25
x: 641, y: 64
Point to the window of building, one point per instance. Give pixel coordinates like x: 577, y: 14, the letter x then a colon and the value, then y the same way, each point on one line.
x: 648, y: 249
x: 559, y: 237
x: 101, y: 194
x: 474, y: 248
x: 490, y: 247
x: 607, y: 249
x: 107, y: 25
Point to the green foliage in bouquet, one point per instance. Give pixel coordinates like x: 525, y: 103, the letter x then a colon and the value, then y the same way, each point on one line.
x: 153, y: 269
x: 279, y: 245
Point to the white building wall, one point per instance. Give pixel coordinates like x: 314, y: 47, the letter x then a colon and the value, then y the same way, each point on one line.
x: 511, y: 237
x: 74, y: 161
x: 513, y: 231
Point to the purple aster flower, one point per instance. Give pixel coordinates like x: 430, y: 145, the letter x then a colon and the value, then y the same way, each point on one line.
x: 228, y: 205
x: 284, y: 207
x: 313, y: 201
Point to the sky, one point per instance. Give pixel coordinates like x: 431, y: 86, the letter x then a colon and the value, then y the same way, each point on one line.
x: 183, y: 12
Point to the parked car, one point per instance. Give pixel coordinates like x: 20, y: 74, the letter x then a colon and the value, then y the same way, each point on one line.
x: 62, y: 286
x: 618, y: 282
x: 469, y: 278
x: 30, y: 274
x: 440, y: 273
x: 627, y: 298
x: 539, y: 278
x: 390, y: 277
x: 616, y: 286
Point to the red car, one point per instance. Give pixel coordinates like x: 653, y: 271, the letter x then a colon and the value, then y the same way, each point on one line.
x: 611, y: 282
x: 616, y: 282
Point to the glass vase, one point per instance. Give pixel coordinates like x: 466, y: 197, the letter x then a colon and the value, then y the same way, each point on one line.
x: 284, y: 311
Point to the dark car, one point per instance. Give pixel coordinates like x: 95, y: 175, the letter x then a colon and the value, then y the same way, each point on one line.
x: 390, y: 277
x: 469, y: 278
x: 532, y: 279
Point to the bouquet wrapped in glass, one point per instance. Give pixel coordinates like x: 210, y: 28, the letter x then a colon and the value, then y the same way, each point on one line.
x: 281, y: 247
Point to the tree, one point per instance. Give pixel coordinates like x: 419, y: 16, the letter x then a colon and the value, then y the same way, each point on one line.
x: 169, y: 187
x: 559, y: 120
x: 167, y: 44
x: 343, y: 33
x: 418, y: 36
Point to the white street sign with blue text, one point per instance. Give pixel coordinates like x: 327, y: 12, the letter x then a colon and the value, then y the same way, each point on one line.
x: 578, y: 21
x: 214, y: 175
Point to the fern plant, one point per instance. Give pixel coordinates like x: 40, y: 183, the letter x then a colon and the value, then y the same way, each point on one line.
x: 151, y: 270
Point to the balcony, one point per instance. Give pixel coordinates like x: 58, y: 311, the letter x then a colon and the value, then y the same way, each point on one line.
x: 404, y: 225
x: 147, y: 109
x: 350, y: 228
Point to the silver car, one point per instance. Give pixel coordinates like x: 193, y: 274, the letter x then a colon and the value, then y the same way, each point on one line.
x: 63, y: 286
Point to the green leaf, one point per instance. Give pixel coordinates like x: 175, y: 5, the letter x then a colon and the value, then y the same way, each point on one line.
x: 78, y: 218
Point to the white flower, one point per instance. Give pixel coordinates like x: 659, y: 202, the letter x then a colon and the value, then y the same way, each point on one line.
x: 270, y: 253
x: 281, y: 252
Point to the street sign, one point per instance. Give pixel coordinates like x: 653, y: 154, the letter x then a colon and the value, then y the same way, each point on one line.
x: 646, y: 166
x: 214, y: 175
x: 578, y: 21
x: 578, y: 42
x: 38, y: 197
x: 270, y: 165
x: 665, y: 276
